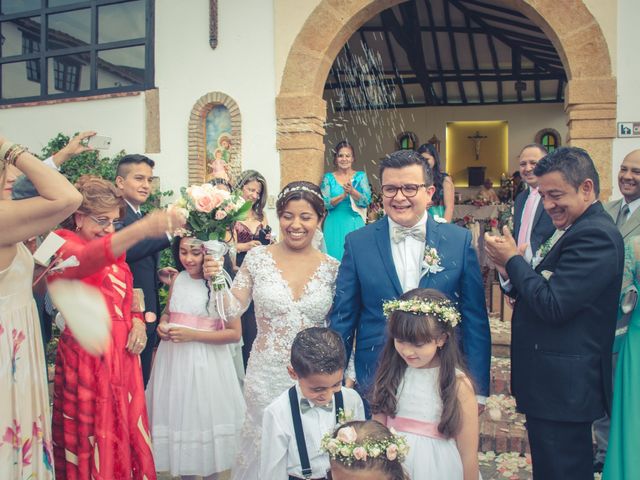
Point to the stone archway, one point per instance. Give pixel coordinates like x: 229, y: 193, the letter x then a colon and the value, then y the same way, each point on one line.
x: 590, y: 96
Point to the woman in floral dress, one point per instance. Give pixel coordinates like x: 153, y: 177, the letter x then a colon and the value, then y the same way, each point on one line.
x: 25, y: 435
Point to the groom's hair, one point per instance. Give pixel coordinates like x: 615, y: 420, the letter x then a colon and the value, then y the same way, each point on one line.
x: 317, y: 350
x: 573, y: 163
x: 406, y: 158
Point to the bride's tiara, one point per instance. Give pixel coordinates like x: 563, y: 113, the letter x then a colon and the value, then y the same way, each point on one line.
x: 298, y: 188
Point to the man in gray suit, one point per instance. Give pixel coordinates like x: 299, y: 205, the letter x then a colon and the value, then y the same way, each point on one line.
x: 626, y: 214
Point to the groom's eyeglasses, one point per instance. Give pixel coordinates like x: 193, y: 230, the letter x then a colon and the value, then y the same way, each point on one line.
x: 409, y: 190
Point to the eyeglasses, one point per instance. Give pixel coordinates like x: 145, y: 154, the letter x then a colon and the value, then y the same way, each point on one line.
x: 105, y: 222
x: 409, y: 190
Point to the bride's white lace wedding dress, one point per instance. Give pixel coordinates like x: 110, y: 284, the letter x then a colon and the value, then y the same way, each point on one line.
x: 279, y: 317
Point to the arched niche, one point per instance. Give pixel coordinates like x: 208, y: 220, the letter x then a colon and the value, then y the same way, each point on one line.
x: 212, y: 116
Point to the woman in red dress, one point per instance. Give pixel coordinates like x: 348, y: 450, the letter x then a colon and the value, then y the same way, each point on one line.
x: 100, y: 426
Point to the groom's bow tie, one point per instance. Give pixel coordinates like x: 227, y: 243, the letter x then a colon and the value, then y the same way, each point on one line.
x: 398, y: 234
x: 306, y: 405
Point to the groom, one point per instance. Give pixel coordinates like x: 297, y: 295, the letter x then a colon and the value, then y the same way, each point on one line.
x: 383, y: 260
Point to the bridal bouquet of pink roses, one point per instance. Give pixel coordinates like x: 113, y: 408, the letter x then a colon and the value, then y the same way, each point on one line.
x: 210, y: 214
x: 210, y: 211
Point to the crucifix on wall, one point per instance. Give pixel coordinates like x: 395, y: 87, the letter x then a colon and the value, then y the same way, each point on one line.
x: 476, y: 139
x: 213, y: 23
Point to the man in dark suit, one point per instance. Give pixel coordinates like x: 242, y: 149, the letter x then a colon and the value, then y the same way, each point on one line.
x: 385, y: 259
x: 134, y: 177
x: 531, y: 224
x: 564, y: 317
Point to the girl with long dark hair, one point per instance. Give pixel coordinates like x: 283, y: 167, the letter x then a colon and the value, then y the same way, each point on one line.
x: 422, y: 391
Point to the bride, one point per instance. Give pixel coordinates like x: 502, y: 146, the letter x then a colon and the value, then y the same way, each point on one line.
x: 292, y: 285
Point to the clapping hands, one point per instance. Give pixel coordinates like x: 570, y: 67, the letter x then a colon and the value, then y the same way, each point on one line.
x: 501, y: 248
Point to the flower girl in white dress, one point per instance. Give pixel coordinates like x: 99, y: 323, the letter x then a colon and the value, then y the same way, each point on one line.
x: 194, y: 399
x: 421, y: 391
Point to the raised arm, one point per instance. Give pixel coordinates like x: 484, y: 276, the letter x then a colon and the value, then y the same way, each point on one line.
x: 591, y: 255
x: 154, y: 225
x: 236, y: 299
x: 27, y: 218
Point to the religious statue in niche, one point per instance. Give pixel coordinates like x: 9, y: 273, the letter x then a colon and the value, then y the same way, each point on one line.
x: 219, y: 142
x: 476, y: 139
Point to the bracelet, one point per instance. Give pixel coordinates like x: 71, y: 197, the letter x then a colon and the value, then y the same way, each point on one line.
x: 5, y: 148
x: 14, y: 152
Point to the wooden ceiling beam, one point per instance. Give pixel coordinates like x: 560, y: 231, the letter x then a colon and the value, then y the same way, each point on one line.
x: 423, y: 104
x: 392, y: 55
x: 497, y: 8
x: 448, y: 79
x: 498, y: 34
x: 454, y: 48
x: 474, y: 58
x: 409, y: 38
x: 436, y: 49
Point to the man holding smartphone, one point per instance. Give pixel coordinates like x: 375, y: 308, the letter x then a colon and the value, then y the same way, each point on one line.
x: 133, y: 177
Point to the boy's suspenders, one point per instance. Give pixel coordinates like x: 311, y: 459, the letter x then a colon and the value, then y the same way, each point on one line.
x: 297, y: 427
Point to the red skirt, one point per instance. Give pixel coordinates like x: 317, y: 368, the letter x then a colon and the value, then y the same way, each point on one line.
x: 100, y: 425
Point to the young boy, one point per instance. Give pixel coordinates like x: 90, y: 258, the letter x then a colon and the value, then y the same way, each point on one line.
x: 134, y: 177
x: 309, y: 409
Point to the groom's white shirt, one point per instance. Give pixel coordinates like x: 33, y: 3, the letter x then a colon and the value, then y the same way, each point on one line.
x: 407, y: 255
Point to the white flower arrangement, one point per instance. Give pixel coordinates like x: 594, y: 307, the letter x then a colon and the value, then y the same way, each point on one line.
x: 444, y: 311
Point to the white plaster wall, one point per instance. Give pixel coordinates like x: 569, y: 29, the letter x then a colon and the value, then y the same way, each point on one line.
x: 187, y: 68
x: 628, y: 81
x: 378, y: 136
x: 242, y: 66
x: 120, y: 118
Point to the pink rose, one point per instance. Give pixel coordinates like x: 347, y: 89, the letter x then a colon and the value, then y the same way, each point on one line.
x: 204, y: 204
x: 392, y: 452
x: 359, y: 453
x: 201, y: 198
x: 347, y: 435
x: 219, y: 196
x: 220, y: 214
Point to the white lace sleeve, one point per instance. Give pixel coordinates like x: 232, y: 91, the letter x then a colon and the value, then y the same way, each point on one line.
x: 236, y: 300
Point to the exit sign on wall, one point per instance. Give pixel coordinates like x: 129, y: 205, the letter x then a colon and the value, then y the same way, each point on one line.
x: 628, y: 129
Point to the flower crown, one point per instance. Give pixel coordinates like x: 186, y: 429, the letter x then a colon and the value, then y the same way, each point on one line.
x: 345, y: 449
x: 298, y: 188
x: 443, y: 310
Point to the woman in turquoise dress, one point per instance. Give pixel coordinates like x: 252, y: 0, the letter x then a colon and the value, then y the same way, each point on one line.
x: 624, y: 434
x: 443, y: 198
x: 346, y: 195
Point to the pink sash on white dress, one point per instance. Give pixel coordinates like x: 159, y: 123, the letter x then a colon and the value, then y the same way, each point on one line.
x: 417, y: 427
x: 197, y: 322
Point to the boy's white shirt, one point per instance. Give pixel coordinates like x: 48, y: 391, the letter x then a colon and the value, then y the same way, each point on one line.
x: 280, y: 457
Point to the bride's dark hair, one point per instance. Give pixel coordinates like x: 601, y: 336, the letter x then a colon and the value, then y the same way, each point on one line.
x: 301, y: 190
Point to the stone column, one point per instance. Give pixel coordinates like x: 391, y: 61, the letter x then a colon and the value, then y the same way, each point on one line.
x: 590, y: 104
x: 300, y: 137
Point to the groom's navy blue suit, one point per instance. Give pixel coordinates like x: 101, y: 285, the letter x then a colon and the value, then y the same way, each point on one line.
x: 367, y: 277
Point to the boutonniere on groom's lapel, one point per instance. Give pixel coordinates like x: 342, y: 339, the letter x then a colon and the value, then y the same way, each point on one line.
x: 430, y: 261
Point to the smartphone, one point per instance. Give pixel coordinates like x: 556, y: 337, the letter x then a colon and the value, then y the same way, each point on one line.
x: 98, y: 142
